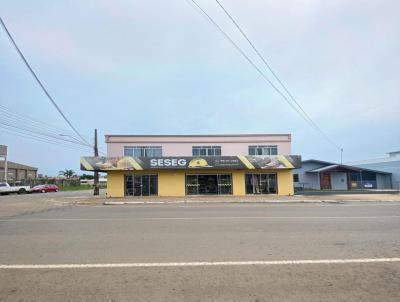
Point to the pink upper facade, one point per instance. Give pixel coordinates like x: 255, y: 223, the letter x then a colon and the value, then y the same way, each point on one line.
x: 181, y: 145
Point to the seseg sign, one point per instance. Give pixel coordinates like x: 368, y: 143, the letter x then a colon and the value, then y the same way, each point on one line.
x: 190, y: 162
x: 167, y: 162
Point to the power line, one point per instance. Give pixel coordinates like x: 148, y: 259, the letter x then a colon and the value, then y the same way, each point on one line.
x: 12, y: 124
x: 26, y: 123
x: 29, y: 125
x: 39, y: 82
x: 35, y: 122
x: 274, y: 74
x: 211, y: 20
x: 37, y: 138
x: 297, y: 108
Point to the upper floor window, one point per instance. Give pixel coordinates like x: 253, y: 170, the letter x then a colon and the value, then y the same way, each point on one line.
x: 263, y: 150
x: 143, y: 151
x: 206, y: 150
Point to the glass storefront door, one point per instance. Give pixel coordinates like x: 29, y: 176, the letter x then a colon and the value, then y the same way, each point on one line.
x: 208, y: 184
x: 261, y: 183
x: 141, y: 185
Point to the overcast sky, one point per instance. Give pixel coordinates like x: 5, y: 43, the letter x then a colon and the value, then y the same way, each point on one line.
x: 158, y: 67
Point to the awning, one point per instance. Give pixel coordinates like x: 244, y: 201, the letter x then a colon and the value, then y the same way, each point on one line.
x: 190, y: 162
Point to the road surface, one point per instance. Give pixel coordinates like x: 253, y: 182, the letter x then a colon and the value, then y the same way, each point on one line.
x: 202, y: 252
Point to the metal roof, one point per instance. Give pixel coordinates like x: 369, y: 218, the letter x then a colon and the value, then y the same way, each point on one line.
x: 333, y: 166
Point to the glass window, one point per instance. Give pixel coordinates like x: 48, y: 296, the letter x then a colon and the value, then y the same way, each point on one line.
x: 143, y: 151
x: 263, y: 150
x: 296, y: 177
x: 206, y: 150
x: 128, y: 151
x: 141, y: 185
x: 263, y: 183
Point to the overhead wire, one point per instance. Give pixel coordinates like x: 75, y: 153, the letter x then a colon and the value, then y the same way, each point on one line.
x: 14, y: 125
x: 11, y: 113
x: 293, y: 104
x: 40, y: 83
x: 274, y: 74
x: 22, y: 122
x: 14, y: 132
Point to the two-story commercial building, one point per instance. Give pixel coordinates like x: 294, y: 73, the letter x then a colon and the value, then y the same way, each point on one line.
x: 180, y: 165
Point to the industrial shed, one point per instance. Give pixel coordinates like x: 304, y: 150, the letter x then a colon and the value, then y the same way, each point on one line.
x: 17, y: 172
x: 322, y: 175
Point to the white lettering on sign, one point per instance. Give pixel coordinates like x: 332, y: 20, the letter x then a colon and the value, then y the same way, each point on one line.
x: 167, y: 162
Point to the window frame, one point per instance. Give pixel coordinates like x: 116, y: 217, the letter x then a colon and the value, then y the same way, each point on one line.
x: 143, y: 151
x: 206, y: 150
x: 265, y: 150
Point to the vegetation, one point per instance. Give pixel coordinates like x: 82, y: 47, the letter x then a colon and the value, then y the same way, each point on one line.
x: 76, y: 188
x: 86, y: 176
x: 67, y: 173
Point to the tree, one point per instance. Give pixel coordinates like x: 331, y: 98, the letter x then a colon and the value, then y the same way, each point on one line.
x: 86, y: 176
x: 67, y: 173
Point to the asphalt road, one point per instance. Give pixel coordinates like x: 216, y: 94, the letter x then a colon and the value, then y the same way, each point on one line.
x: 201, y: 252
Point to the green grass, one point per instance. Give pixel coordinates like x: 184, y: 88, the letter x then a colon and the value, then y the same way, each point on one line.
x: 76, y: 188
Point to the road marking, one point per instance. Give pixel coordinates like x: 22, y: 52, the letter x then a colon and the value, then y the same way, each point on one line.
x: 188, y: 264
x: 195, y: 218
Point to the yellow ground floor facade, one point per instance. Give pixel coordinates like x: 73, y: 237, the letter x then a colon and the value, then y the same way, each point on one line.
x: 173, y: 183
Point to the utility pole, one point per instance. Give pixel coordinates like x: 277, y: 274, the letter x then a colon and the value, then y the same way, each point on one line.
x: 3, y: 154
x: 341, y: 156
x: 96, y: 173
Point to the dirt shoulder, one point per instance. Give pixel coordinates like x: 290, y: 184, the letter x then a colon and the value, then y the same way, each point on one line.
x: 245, y: 199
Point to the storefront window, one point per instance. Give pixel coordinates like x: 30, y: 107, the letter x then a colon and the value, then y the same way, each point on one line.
x: 263, y: 183
x: 141, y: 185
x: 208, y: 184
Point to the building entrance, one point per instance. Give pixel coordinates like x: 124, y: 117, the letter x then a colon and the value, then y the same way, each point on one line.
x: 208, y: 184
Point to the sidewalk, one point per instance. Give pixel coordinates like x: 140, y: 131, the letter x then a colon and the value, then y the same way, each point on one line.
x: 243, y: 199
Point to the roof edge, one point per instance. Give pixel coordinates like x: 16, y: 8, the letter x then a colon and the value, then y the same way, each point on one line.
x: 199, y: 135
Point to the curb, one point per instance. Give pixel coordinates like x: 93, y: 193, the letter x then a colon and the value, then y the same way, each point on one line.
x: 110, y: 203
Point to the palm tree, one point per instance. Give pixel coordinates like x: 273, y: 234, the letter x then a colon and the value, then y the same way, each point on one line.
x: 67, y: 173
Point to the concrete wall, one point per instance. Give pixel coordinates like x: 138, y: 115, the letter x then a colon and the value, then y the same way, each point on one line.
x: 182, y: 145
x: 172, y: 182
x: 18, y: 174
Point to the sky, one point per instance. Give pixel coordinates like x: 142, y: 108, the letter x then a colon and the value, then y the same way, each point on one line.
x: 158, y: 67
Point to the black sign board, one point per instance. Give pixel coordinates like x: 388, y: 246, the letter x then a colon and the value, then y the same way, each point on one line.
x: 190, y: 162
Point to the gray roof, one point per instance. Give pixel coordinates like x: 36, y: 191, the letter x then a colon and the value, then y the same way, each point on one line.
x: 13, y: 165
x: 330, y: 166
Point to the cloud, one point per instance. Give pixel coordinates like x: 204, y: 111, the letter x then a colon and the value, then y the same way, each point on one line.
x: 157, y: 66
